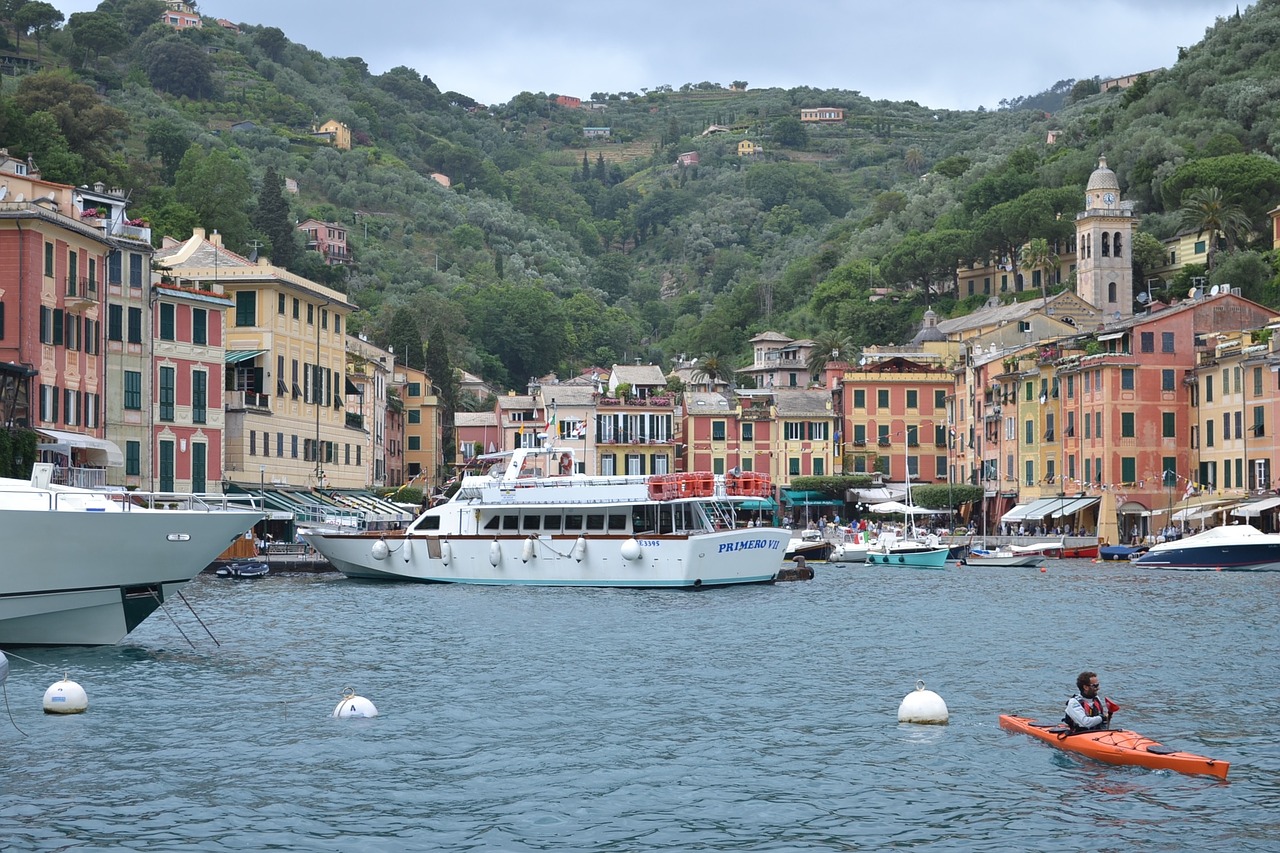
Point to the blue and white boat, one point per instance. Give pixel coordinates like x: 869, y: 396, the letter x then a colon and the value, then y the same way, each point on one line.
x: 1233, y: 548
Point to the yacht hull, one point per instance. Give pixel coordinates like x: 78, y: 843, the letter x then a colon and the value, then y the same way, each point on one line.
x: 748, y: 556
x: 90, y: 577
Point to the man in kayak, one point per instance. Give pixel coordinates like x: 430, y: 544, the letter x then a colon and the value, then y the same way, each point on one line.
x: 1085, y: 711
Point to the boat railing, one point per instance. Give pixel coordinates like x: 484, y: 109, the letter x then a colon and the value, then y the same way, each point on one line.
x: 80, y: 478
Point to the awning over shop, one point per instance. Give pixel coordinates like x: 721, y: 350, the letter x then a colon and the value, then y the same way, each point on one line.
x: 1072, y: 506
x: 1111, y: 336
x: 876, y: 495
x: 235, y: 356
x: 1034, y: 511
x: 808, y: 498
x: 1184, y: 509
x: 1018, y: 513
x: 1253, y: 510
x: 757, y: 505
x: 107, y: 452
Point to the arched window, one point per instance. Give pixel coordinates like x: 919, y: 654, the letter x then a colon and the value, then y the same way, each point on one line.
x: 1115, y: 244
x: 1106, y: 244
x: 1111, y: 291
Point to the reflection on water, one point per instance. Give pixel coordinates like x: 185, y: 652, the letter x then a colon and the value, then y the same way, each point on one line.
x: 759, y: 718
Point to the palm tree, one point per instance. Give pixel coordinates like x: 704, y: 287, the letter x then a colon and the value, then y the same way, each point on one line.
x: 713, y: 369
x: 1039, y: 255
x: 827, y: 347
x: 1207, y: 209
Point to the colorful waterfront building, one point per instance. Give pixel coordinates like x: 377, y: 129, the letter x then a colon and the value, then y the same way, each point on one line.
x: 423, y: 461
x: 53, y: 262
x: 285, y: 356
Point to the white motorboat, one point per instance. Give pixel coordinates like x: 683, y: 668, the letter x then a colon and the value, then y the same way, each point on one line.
x: 532, y: 521
x: 84, y: 567
x: 1002, y: 557
x: 1232, y: 548
x: 810, y: 544
x: 851, y: 547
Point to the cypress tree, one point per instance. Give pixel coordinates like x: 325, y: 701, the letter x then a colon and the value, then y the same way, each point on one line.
x: 272, y: 220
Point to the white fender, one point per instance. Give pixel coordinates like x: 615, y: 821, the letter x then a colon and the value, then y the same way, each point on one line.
x: 495, y: 554
x: 380, y: 551
x: 446, y: 552
x: 526, y: 552
x: 631, y: 549
x: 579, y: 549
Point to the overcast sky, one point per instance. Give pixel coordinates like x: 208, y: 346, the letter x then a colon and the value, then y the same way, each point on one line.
x: 956, y: 54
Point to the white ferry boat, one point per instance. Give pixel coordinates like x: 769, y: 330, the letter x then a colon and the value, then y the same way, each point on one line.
x: 531, y: 520
x: 83, y: 567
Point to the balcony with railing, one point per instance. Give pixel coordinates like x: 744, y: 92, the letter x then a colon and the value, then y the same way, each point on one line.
x: 883, y: 441
x: 239, y: 401
x: 355, y: 420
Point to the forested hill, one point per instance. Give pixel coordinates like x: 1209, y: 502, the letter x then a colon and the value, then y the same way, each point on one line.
x: 552, y: 252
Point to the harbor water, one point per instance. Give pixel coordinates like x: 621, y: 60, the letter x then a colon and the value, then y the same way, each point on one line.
x: 755, y: 718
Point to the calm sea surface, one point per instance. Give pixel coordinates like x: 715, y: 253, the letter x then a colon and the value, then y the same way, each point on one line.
x: 760, y: 718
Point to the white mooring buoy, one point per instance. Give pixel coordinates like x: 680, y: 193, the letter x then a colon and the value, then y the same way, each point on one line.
x: 65, y: 697
x: 923, y: 706
x: 354, y: 706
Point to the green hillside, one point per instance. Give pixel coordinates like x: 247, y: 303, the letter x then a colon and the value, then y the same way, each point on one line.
x: 550, y: 252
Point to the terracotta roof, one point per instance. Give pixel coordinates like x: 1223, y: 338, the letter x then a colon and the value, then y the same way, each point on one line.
x: 639, y: 374
x: 519, y: 401
x: 707, y: 403
x: 468, y: 419
x: 815, y: 403
x: 569, y: 395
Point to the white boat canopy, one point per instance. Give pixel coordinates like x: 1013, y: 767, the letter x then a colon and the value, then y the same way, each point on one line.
x: 902, y: 509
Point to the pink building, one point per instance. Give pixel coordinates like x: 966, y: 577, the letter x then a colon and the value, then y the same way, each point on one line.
x: 329, y: 239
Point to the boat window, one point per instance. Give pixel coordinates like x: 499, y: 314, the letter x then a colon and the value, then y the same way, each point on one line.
x: 431, y: 522
x: 532, y: 522
x: 617, y: 521
x: 573, y: 522
x: 511, y: 522
x: 492, y: 524
x: 644, y: 518
x: 551, y: 523
x: 595, y: 522
x: 667, y: 515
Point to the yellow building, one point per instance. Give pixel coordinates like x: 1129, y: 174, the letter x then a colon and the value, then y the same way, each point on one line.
x: 337, y: 133
x: 422, y: 453
x: 749, y: 148
x: 1232, y: 406
x: 286, y: 422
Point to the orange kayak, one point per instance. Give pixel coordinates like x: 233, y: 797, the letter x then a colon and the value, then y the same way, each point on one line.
x: 1116, y: 746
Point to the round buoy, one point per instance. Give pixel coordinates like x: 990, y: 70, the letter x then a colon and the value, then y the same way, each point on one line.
x: 631, y: 549
x: 354, y: 706
x: 1043, y: 569
x: 380, y: 551
x: 65, y: 697
x: 923, y: 706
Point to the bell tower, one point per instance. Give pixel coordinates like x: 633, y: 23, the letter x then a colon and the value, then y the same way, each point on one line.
x: 1104, y: 242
